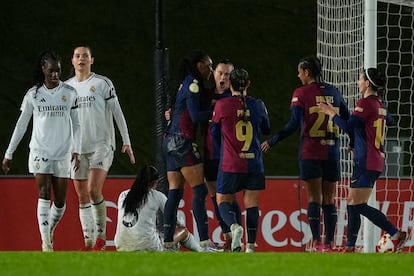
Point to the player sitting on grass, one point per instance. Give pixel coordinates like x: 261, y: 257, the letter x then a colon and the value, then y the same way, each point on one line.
x: 137, y: 216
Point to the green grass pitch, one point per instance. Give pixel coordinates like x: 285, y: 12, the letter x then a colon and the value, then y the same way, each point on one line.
x: 195, y: 264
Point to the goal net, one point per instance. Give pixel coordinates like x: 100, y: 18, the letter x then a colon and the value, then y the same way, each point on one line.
x: 341, y: 35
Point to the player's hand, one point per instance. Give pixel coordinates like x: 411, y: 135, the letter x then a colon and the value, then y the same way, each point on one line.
x: 128, y: 150
x: 265, y: 146
x: 6, y: 165
x: 327, y: 108
x: 75, y: 161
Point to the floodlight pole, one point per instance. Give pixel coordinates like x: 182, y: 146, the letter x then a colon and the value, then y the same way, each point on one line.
x: 160, y: 91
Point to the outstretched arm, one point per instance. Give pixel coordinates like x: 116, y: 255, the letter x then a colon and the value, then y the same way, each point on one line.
x: 296, y: 116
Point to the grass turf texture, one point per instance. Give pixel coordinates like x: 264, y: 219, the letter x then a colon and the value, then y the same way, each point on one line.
x: 189, y: 263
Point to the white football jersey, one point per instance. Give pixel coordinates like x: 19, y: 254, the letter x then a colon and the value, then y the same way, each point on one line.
x: 55, y: 122
x: 138, y: 231
x: 98, y: 107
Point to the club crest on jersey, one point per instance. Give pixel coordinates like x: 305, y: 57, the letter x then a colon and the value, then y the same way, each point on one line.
x: 359, y: 109
x: 64, y: 98
x: 194, y: 88
x: 92, y: 89
x: 195, y: 150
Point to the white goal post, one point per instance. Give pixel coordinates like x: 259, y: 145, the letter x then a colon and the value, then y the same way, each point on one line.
x: 356, y: 34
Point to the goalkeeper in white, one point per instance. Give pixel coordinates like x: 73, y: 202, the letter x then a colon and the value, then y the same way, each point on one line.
x: 137, y: 217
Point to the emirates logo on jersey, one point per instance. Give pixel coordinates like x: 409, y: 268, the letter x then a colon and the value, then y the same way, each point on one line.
x: 92, y: 89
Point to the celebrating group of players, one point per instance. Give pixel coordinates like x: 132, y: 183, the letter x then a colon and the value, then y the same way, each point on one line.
x: 73, y: 120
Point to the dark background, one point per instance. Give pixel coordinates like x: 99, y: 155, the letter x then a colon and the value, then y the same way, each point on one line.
x: 267, y: 37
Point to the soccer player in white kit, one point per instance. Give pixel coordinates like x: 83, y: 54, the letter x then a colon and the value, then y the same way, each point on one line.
x: 98, y: 107
x: 55, y: 140
x: 138, y: 208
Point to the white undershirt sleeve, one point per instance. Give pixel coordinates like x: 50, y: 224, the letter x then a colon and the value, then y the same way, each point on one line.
x: 119, y: 119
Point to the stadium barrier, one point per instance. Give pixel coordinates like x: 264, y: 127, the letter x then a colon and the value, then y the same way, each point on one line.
x: 282, y: 227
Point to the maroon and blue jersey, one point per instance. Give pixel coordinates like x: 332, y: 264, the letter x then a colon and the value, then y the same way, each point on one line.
x: 187, y: 112
x: 240, y: 150
x: 319, y: 135
x: 212, y: 143
x: 366, y: 129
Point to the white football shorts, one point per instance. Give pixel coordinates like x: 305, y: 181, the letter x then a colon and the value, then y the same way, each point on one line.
x: 41, y: 164
x: 100, y: 159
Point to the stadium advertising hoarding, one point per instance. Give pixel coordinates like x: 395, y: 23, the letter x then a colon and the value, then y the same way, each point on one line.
x: 282, y: 227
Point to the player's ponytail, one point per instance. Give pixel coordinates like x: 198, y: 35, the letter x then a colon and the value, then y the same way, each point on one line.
x: 239, y: 79
x: 138, y: 194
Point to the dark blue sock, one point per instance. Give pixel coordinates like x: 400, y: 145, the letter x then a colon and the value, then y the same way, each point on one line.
x: 237, y: 211
x: 330, y: 218
x: 377, y: 217
x: 170, y: 213
x: 354, y: 223
x: 314, y: 217
x: 227, y: 213
x: 223, y: 225
x: 252, y: 223
x: 200, y: 211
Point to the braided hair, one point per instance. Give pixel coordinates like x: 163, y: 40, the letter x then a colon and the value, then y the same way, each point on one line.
x: 313, y: 65
x: 138, y: 194
x: 188, y: 64
x: 239, y: 79
x: 44, y: 57
x: 38, y: 75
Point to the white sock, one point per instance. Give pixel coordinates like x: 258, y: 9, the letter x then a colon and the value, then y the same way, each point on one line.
x: 99, y: 216
x: 43, y: 213
x: 191, y: 243
x: 86, y: 219
x: 55, y: 216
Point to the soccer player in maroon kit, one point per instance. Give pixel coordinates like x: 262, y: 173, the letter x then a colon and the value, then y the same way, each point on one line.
x: 239, y: 120
x: 319, y: 155
x: 366, y: 129
x: 212, y: 144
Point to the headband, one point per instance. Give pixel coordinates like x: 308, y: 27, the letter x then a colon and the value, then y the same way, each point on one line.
x: 370, y: 80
